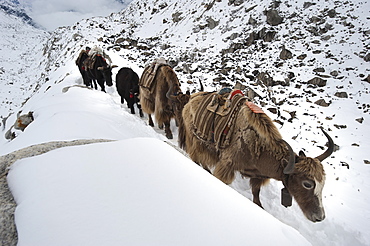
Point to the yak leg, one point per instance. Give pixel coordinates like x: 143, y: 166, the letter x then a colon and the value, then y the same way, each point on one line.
x: 130, y: 104
x: 167, y: 130
x: 95, y: 86
x: 132, y: 109
x: 102, y: 86
x: 256, y: 184
x: 150, y: 120
x: 139, y: 107
x: 140, y: 110
x: 224, y: 173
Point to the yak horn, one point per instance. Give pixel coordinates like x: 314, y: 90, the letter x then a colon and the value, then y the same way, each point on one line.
x: 201, y: 86
x: 290, y: 167
x: 330, y: 149
x: 100, y: 68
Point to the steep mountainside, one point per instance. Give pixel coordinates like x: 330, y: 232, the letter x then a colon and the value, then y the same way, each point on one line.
x: 296, y: 58
x: 14, y: 8
x: 21, y: 47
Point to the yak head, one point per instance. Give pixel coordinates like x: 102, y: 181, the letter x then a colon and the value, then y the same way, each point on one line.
x: 304, y: 177
x: 107, y: 73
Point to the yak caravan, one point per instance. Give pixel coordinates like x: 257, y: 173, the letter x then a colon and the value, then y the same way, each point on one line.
x: 221, y: 130
x: 94, y: 67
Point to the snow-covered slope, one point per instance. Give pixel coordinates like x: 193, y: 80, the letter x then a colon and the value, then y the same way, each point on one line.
x: 21, y: 70
x: 224, y: 43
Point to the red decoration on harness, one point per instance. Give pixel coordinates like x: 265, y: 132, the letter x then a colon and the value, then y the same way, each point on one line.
x: 254, y: 108
x: 234, y: 92
x: 131, y: 95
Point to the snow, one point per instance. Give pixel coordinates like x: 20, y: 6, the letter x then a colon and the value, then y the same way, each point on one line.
x: 114, y: 194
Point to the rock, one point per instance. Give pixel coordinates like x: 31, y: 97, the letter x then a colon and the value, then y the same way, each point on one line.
x: 266, y: 79
x: 317, y: 81
x: 211, y: 23
x: 285, y: 54
x: 366, y: 161
x: 332, y: 13
x: 367, y: 79
x: 273, y: 17
x: 176, y: 17
x: 319, y: 70
x: 340, y: 126
x: 236, y: 2
x: 308, y: 4
x: 269, y: 36
x: 252, y: 21
x: 302, y: 57
x: 367, y: 57
x: 334, y: 73
x: 342, y: 94
x: 360, y: 120
x: 120, y: 40
x: 272, y: 110
x: 23, y: 121
x: 251, y: 38
x: 322, y: 102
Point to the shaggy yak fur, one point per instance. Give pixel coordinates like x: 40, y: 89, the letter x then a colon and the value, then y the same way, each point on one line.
x: 127, y: 84
x: 165, y: 100
x: 257, y: 151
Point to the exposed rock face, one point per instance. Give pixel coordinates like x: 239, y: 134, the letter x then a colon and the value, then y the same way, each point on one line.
x: 317, y: 81
x: 8, y: 230
x: 273, y: 17
x: 20, y: 124
x: 322, y: 103
x: 285, y: 54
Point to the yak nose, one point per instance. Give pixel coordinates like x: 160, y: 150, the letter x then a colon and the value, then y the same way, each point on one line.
x: 317, y: 217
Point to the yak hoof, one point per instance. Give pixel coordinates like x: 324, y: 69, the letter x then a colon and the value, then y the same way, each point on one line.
x: 169, y: 135
x: 141, y: 114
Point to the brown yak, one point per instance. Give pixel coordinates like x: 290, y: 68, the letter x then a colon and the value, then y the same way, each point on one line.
x: 164, y: 98
x: 256, y: 150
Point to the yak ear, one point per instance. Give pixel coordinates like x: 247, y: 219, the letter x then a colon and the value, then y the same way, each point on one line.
x: 302, y: 154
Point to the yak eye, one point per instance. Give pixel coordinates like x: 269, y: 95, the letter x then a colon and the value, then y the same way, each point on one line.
x: 308, y: 184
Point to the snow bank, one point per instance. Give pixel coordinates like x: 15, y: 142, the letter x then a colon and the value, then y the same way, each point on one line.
x: 113, y: 194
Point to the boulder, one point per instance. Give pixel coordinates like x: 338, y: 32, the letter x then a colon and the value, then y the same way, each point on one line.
x: 273, y: 18
x: 317, y: 81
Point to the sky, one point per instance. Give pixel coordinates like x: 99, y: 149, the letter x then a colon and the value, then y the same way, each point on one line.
x: 52, y: 14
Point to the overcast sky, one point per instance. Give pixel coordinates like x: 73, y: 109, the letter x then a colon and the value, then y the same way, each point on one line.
x: 52, y: 14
